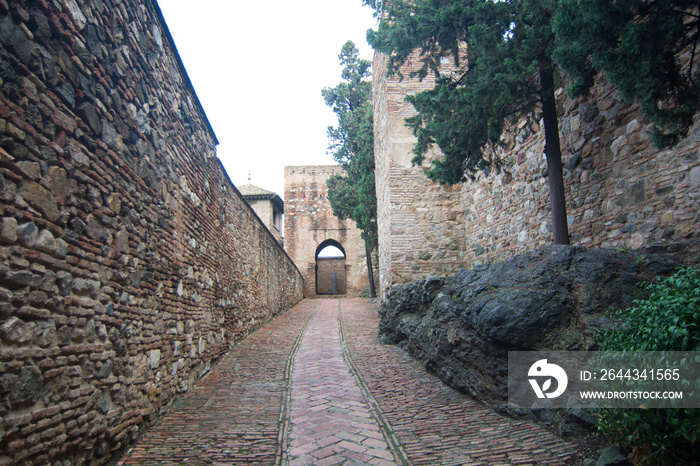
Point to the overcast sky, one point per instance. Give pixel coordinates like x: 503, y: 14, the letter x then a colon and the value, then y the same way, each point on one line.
x: 258, y: 68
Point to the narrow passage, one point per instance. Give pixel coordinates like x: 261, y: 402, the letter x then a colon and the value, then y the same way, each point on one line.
x: 316, y: 387
x: 234, y: 415
x: 331, y: 422
x: 435, y: 424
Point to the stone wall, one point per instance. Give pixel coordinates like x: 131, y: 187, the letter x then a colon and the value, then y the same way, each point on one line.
x: 128, y: 260
x: 309, y: 222
x: 621, y: 191
x: 421, y: 224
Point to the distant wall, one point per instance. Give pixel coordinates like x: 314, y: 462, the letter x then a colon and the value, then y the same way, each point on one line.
x: 128, y: 260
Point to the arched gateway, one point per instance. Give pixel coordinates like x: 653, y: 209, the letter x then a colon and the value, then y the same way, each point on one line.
x: 331, y: 271
x: 310, y: 226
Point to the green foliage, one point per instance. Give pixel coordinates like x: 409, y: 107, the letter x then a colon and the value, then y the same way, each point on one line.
x: 644, y: 47
x: 508, y: 75
x: 655, y: 436
x: 467, y: 110
x: 346, y: 99
x: 353, y: 195
x: 668, y: 320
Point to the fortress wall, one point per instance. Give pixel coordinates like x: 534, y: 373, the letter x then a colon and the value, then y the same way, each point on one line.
x: 421, y: 223
x: 621, y: 191
x: 128, y: 260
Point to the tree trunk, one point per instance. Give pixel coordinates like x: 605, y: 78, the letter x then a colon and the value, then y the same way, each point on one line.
x: 552, y: 150
x: 370, y: 272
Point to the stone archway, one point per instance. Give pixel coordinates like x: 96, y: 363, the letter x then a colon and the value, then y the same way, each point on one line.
x: 309, y: 223
x: 331, y: 271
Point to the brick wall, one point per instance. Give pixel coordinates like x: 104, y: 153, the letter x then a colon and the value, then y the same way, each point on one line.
x: 620, y: 190
x: 309, y: 222
x: 421, y: 224
x: 128, y: 260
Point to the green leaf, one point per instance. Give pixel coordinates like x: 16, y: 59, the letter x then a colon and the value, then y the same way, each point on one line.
x: 353, y: 195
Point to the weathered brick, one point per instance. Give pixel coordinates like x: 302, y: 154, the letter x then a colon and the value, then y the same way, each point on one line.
x: 309, y: 223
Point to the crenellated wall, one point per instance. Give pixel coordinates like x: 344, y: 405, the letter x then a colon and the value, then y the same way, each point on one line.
x: 128, y: 260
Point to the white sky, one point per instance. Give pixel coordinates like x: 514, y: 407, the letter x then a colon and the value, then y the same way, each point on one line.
x: 258, y: 68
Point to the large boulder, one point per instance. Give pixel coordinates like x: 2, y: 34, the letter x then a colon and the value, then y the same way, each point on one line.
x: 555, y: 298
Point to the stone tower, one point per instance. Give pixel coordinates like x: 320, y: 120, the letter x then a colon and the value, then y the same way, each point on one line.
x: 310, y: 226
x: 421, y: 223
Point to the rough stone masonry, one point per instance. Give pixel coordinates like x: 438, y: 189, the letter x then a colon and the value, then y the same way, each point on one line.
x: 621, y: 191
x: 128, y: 260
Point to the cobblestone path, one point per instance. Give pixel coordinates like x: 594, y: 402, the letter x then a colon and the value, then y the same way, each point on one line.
x: 315, y: 387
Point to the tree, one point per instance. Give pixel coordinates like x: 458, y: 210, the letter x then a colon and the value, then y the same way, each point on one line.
x: 353, y: 195
x: 509, y: 74
x: 647, y: 48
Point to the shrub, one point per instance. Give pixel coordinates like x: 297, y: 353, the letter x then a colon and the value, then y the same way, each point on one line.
x: 668, y: 320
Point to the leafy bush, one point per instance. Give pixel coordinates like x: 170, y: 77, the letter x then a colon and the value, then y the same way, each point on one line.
x: 668, y: 320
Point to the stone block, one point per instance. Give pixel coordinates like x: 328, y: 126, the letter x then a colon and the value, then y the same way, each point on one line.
x: 86, y: 111
x: 58, y: 183
x: 154, y: 358
x: 96, y: 230
x: 685, y: 229
x: 694, y: 176
x: 8, y: 230
x: 45, y: 242
x: 14, y: 132
x: 114, y: 203
x: 31, y: 170
x: 40, y: 198
x: 83, y: 286
x: 121, y: 240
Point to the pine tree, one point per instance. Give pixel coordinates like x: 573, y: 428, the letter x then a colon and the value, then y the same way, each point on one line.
x: 353, y: 195
x: 509, y: 73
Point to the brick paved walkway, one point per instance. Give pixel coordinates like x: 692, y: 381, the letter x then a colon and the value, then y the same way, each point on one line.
x: 315, y: 387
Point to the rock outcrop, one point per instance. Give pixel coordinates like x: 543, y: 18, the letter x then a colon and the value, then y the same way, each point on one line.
x: 555, y: 298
